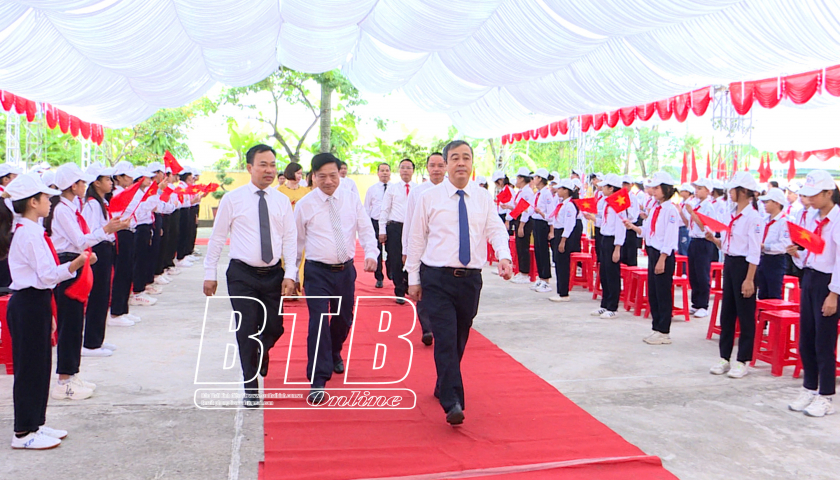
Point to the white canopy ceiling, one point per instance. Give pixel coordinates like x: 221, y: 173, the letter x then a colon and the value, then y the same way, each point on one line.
x: 494, y: 66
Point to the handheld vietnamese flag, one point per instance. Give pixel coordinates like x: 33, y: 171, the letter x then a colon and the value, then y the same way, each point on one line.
x: 806, y: 238
x: 684, y: 172
x: 520, y: 207
x: 120, y: 201
x: 170, y: 162
x: 166, y: 194
x: 708, y: 166
x: 211, y: 187
x: 619, y: 201
x: 194, y: 189
x: 694, y: 174
x: 504, y: 196
x: 588, y: 205
x: 713, y: 224
x: 80, y: 290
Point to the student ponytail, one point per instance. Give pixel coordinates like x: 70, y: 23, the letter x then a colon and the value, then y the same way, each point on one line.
x: 48, y: 220
x: 92, y: 193
x: 835, y: 196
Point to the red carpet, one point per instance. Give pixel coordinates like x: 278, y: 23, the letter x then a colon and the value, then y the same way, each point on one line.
x: 517, y: 426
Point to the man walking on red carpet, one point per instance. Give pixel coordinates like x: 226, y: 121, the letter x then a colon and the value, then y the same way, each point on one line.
x: 448, y: 239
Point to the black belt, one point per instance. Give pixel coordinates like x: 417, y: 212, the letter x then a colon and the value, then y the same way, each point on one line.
x: 456, y: 272
x: 258, y: 270
x: 65, y: 257
x: 334, y: 267
x: 394, y: 223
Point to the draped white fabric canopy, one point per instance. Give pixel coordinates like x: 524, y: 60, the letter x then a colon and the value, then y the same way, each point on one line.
x: 494, y: 66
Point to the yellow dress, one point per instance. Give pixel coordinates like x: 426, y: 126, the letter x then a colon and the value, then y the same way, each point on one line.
x: 295, y: 195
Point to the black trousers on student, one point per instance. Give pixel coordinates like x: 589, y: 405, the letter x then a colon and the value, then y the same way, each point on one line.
x: 185, y: 223
x: 610, y: 274
x: 378, y: 274
x: 510, y: 224
x: 142, y: 257
x: 327, y: 334
x: 541, y: 249
x: 29, y: 317
x: 5, y: 274
x: 736, y: 307
x: 171, y: 241
x: 393, y: 246
x: 598, y: 243
x: 523, y: 245
x: 154, y: 254
x: 660, y: 290
x: 630, y: 249
x: 817, y: 333
x: 123, y: 273
x: 194, y: 210
x: 265, y: 285
x: 562, y: 261
x: 71, y: 324
x: 100, y: 295
x: 453, y: 304
x: 166, y: 231
x: 770, y: 276
x: 701, y: 254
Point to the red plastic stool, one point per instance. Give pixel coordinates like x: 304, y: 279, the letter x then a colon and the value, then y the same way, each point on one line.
x: 491, y: 254
x: 5, y: 338
x: 676, y: 311
x: 792, y: 293
x: 627, y: 282
x: 513, y: 258
x: 596, y: 281
x: 716, y: 273
x: 637, y: 299
x: 586, y: 265
x: 533, y: 274
x: 714, y: 326
x: 777, y: 347
x: 682, y: 265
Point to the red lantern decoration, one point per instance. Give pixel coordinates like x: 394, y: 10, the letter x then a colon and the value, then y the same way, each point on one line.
x: 74, y: 126
x: 63, y: 121
x: 84, y: 128
x: 7, y: 99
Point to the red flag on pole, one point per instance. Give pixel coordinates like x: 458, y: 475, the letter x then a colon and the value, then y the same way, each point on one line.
x: 170, y: 162
x: 589, y: 205
x: 166, y: 194
x: 713, y: 224
x: 80, y: 290
x: 806, y: 238
x: 684, y: 172
x: 619, y: 201
x: 504, y: 196
x: 520, y: 207
x: 708, y: 166
x: 791, y: 169
x: 120, y: 201
x: 721, y: 168
x: 761, y: 170
x: 694, y: 174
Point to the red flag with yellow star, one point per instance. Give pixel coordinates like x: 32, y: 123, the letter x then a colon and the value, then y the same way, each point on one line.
x: 588, y: 205
x: 806, y: 238
x: 520, y: 207
x: 619, y: 201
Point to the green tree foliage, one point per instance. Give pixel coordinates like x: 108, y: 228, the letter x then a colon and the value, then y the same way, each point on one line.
x: 240, y: 139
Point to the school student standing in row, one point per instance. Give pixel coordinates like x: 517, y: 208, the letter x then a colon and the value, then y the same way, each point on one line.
x: 523, y: 225
x: 613, y: 233
x: 741, y: 246
x: 770, y: 276
x: 36, y: 272
x: 701, y: 252
x: 686, y: 193
x: 543, y: 206
x: 630, y: 250
x: 660, y: 231
x: 124, y: 258
x: 565, y: 233
x: 820, y: 287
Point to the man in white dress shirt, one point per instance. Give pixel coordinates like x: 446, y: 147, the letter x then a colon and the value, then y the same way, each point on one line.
x: 262, y: 229
x: 391, y: 222
x: 373, y: 207
x: 436, y: 168
x: 328, y: 221
x: 347, y: 182
x: 450, y: 229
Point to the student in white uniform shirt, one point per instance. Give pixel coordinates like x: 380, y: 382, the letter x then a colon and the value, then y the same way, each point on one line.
x: 630, y: 249
x: 261, y: 226
x: 328, y: 221
x: 794, y: 203
x: 543, y: 206
x: 613, y: 233
x: 820, y: 287
x: 436, y: 168
x: 566, y: 229
x: 701, y: 252
x: 373, y: 207
x: 71, y: 236
x: 448, y: 246
x: 8, y: 219
x: 36, y: 273
x: 741, y: 247
x: 391, y: 221
x: 523, y: 225
x: 661, y: 234
x: 770, y: 276
x: 124, y: 259
x: 503, y: 185
x: 686, y: 193
x: 142, y: 219
x: 347, y: 182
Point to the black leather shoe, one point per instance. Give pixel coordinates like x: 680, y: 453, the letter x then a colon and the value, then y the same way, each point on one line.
x: 455, y: 415
x: 427, y: 339
x: 264, y: 366
x: 400, y: 301
x: 379, y: 284
x: 317, y: 396
x: 339, y: 367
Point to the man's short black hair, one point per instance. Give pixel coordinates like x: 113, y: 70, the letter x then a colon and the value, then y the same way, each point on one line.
x: 407, y: 160
x: 322, y: 159
x: 774, y: 184
x: 341, y: 163
x: 454, y: 144
x: 383, y: 163
x: 258, y: 148
x: 432, y: 155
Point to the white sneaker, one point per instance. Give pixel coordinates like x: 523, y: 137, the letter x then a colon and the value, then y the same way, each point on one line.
x: 96, y: 352
x: 161, y: 280
x: 609, y: 314
x: 820, y: 407
x: 657, y: 338
x: 68, y: 391
x: 559, y: 299
x: 738, y: 370
x: 109, y: 346
x: 196, y: 253
x: 191, y: 258
x: 132, y: 317
x: 80, y: 382
x: 153, y: 289
x: 692, y: 310
x: 544, y: 288
x: 141, y: 300
x: 803, y: 401
x: 120, y: 321
x: 598, y: 312
x: 520, y: 278
x: 701, y: 313
x: 720, y: 368
x: 183, y: 263
x: 52, y: 432
x: 536, y: 285
x: 173, y: 271
x: 35, y: 441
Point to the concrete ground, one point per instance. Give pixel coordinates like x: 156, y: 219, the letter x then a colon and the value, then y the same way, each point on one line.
x: 142, y: 424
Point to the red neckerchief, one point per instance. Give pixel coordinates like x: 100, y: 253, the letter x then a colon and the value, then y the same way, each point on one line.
x: 729, y: 233
x: 817, y: 231
x: 654, y: 219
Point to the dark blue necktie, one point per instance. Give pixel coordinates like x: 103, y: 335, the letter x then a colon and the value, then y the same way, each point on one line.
x: 463, y: 231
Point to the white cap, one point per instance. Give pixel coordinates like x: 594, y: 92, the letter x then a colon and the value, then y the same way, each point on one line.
x: 816, y: 182
x: 155, y: 167
x: 96, y: 170
x: 498, y: 175
x: 578, y: 172
x: 140, y: 172
x: 523, y: 172
x: 25, y: 186
x: 123, y: 168
x: 612, y: 180
x: 661, y: 178
x: 8, y: 168
x: 39, y: 168
x: 719, y: 185
x: 627, y: 179
x: 793, y: 186
x: 776, y: 195
x: 685, y: 187
x: 704, y: 182
x: 599, y: 176
x: 566, y: 183
x: 743, y: 180
x: 478, y: 179
x: 577, y: 183
x: 68, y: 174
x: 554, y: 180
x: 541, y: 172
x: 48, y: 178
